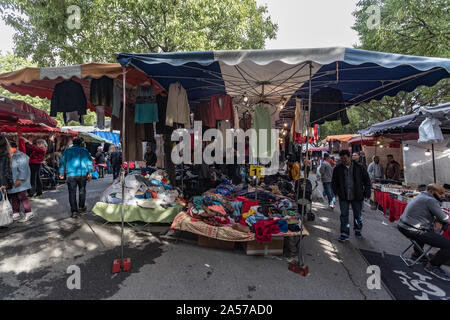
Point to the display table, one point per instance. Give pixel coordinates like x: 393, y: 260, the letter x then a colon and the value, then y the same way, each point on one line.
x: 185, y: 222
x: 113, y: 213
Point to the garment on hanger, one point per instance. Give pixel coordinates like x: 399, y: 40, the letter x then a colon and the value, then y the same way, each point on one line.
x: 246, y: 121
x: 178, y: 106
x: 201, y: 113
x: 223, y: 126
x: 68, y: 96
x: 116, y: 98
x: 72, y: 116
x: 101, y: 92
x: 328, y: 105
x: 100, y: 111
x: 220, y: 108
x: 262, y: 120
x: 146, y: 110
x: 161, y: 127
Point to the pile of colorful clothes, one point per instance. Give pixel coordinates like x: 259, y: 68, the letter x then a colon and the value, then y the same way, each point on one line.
x: 148, y: 190
x: 245, y: 210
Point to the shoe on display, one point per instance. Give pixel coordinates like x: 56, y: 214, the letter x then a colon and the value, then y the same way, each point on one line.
x: 437, y: 272
x: 28, y: 216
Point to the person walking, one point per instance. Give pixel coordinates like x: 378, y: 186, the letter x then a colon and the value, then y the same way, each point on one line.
x: 392, y: 168
x: 421, y: 218
x: 116, y: 161
x: 100, y: 161
x: 6, y: 177
x: 375, y: 169
x: 76, y: 164
x: 326, y: 174
x: 37, y: 155
x: 21, y: 174
x: 351, y: 183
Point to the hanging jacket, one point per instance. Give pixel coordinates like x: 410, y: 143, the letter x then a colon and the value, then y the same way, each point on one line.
x: 101, y: 92
x: 75, y: 162
x: 178, y: 106
x: 328, y: 105
x: 68, y: 96
x: 220, y: 108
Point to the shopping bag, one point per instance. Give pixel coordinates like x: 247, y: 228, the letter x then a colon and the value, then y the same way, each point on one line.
x: 6, y: 210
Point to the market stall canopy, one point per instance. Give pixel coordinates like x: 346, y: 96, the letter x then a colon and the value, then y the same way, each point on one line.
x: 410, y: 123
x: 110, y: 136
x: 339, y: 137
x: 90, y: 137
x: 40, y: 82
x: 360, y: 75
x: 19, y: 112
x: 33, y: 128
x: 375, y: 141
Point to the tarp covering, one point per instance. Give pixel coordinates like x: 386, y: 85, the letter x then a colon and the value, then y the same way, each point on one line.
x: 411, y: 123
x: 40, y: 82
x: 17, y: 111
x: 112, y: 213
x: 90, y: 137
x: 360, y: 75
x: 339, y: 137
x: 111, y: 136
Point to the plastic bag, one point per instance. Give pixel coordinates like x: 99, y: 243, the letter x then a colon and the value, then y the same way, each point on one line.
x: 6, y: 210
x: 430, y: 131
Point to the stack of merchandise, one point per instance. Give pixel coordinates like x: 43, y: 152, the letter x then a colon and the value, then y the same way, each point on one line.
x: 144, y: 190
x: 245, y: 210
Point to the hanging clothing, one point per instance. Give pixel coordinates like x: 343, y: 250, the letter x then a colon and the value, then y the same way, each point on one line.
x: 223, y: 126
x: 116, y: 98
x: 201, y: 113
x: 327, y: 105
x: 262, y: 120
x: 68, y: 96
x: 146, y: 113
x: 101, y: 92
x: 178, y: 106
x: 236, y: 118
x: 161, y: 127
x: 220, y: 108
x: 246, y: 122
x: 100, y: 111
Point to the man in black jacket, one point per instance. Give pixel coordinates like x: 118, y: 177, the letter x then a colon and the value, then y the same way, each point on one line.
x: 116, y: 161
x: 351, y: 183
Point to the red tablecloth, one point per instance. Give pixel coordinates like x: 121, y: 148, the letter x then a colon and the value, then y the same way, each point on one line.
x: 396, y: 208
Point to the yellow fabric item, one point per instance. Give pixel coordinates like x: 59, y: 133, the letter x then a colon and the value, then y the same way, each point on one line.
x: 295, y: 171
x: 248, y: 214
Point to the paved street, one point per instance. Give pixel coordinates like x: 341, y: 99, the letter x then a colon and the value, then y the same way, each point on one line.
x: 34, y: 258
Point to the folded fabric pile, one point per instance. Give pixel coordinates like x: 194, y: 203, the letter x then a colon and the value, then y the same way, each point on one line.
x: 148, y: 190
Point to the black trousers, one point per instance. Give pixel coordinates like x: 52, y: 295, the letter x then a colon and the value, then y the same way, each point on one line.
x: 36, y: 182
x: 116, y: 172
x: 72, y: 184
x: 433, y: 239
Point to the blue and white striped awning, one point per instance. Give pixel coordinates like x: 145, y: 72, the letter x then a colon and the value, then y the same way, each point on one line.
x: 360, y: 75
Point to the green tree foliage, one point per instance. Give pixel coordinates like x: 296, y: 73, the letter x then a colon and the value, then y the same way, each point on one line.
x: 110, y: 26
x: 415, y: 27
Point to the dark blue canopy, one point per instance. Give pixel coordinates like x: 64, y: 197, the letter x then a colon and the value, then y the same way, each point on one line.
x: 282, y: 75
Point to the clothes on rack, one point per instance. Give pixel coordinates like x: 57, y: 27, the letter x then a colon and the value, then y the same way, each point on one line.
x: 201, y: 113
x: 100, y: 111
x: 328, y: 105
x: 101, y: 92
x: 246, y: 121
x: 220, y: 108
x: 68, y: 96
x: 178, y: 106
x: 72, y: 116
x: 116, y: 98
x: 262, y: 121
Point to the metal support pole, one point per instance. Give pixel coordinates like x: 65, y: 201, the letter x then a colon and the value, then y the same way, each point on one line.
x: 301, y: 259
x: 434, y: 164
x: 123, y: 163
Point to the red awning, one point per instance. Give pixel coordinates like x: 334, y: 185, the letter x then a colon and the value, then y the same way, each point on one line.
x: 17, y: 112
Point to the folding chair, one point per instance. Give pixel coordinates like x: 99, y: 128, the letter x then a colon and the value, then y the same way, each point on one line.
x: 424, y: 253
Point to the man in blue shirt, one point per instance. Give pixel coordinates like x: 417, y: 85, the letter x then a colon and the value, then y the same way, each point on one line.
x: 76, y: 164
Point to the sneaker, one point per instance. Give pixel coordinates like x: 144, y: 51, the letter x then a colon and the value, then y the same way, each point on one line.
x: 16, y: 216
x: 82, y: 210
x: 28, y: 216
x: 358, y: 234
x: 75, y: 215
x: 342, y: 238
x: 437, y: 272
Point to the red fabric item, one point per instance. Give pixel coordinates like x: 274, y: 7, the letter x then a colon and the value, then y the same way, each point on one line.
x: 22, y: 147
x: 246, y: 204
x: 447, y: 233
x: 396, y: 209
x: 264, y: 230
x: 37, y: 154
x: 242, y: 221
x: 217, y: 113
x: 153, y: 193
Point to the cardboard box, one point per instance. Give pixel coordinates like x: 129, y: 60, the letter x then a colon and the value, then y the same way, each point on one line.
x: 272, y: 248
x: 215, y: 243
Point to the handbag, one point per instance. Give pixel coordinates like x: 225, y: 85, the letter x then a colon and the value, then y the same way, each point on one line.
x: 6, y: 210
